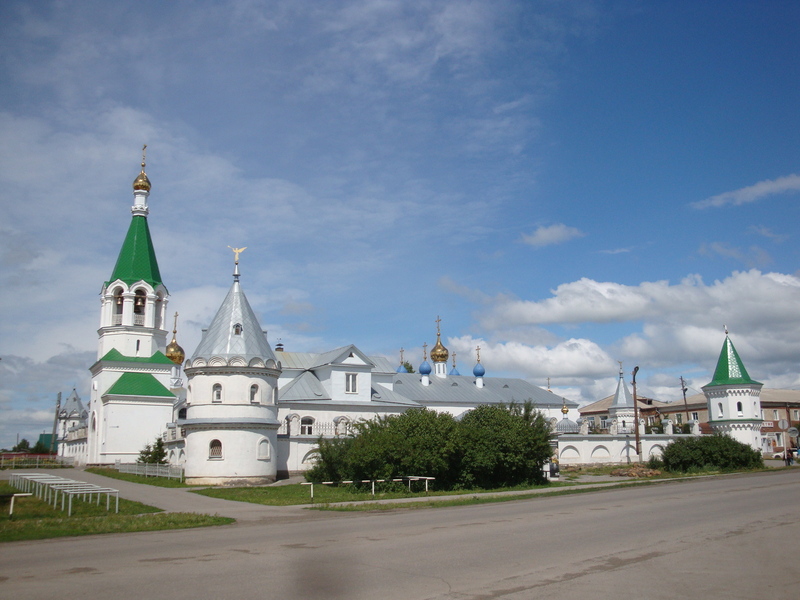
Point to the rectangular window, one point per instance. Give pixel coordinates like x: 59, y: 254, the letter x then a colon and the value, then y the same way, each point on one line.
x: 591, y: 420
x: 351, y: 383
x: 679, y: 418
x: 775, y: 414
x: 695, y: 416
x: 796, y: 414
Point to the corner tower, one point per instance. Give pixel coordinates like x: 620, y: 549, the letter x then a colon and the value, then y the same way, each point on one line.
x: 231, y: 425
x: 734, y: 399
x: 130, y: 402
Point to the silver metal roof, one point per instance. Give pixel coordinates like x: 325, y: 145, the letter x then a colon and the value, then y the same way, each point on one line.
x: 234, y: 331
x: 461, y: 390
x: 622, y: 397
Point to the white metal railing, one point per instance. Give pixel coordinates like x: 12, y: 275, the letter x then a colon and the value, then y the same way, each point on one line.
x: 151, y: 470
x: 315, y: 429
x: 138, y: 319
x: 116, y: 320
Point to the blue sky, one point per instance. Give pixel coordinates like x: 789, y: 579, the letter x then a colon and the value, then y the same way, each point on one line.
x: 568, y: 184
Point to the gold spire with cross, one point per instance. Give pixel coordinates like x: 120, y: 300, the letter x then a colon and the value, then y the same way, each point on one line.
x: 478, y: 350
x: 425, y: 351
x: 439, y: 353
x: 173, y: 351
x: 142, y: 182
x: 401, y: 355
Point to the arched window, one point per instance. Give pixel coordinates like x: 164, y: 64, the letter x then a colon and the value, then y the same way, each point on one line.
x: 118, y: 301
x: 306, y: 426
x: 720, y: 414
x: 216, y: 393
x: 237, y: 329
x: 159, y: 308
x: 182, y: 413
x: 739, y: 410
x: 139, y: 303
x: 263, y: 449
x: 254, y: 394
x: 215, y: 449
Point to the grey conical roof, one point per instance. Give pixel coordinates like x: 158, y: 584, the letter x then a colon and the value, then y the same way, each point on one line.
x: 224, y: 339
x: 622, y: 397
x: 72, y: 407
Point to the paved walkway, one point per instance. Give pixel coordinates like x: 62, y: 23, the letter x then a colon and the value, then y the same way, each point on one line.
x: 183, y: 500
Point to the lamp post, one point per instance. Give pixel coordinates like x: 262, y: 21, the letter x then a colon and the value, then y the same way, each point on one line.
x: 636, y: 417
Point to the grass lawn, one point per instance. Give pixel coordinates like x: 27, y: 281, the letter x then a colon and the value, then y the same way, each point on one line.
x: 286, y: 495
x: 34, y: 519
x: 157, y: 481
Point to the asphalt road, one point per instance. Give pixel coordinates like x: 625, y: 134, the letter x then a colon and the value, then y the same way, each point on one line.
x: 729, y: 537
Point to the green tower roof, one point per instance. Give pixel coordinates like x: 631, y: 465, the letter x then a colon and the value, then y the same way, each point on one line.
x: 139, y: 384
x: 137, y: 258
x: 730, y: 368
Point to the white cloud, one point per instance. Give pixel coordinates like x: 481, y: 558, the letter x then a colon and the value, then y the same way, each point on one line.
x: 745, y: 195
x: 553, y: 234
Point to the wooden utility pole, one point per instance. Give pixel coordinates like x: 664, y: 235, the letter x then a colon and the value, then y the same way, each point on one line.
x: 685, y: 404
x: 636, y: 417
x: 55, y: 424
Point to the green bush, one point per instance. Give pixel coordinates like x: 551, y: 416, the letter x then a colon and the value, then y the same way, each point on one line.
x: 490, y: 447
x: 713, y: 451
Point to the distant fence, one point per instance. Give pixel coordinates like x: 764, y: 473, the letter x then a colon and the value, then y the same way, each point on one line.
x: 150, y: 470
x: 34, y: 461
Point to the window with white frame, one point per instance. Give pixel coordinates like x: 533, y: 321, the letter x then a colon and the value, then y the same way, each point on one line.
x: 254, y: 394
x: 739, y: 409
x: 306, y: 426
x: 796, y: 414
x: 775, y: 414
x: 679, y: 418
x: 216, y: 393
x: 695, y: 416
x: 215, y: 449
x: 351, y: 383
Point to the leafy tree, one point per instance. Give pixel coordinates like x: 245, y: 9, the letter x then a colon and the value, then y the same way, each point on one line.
x: 40, y: 448
x: 501, y: 448
x: 409, y: 367
x: 712, y: 451
x: 23, y: 446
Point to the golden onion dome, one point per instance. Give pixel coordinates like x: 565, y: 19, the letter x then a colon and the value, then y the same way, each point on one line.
x: 439, y: 353
x: 174, y: 352
x: 142, y: 182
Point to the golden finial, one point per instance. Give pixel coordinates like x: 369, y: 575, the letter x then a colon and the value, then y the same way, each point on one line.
x: 237, y: 252
x: 401, y: 355
x: 425, y: 351
x: 173, y: 351
x: 478, y: 350
x: 454, y: 360
x: 564, y: 409
x: 438, y: 321
x: 142, y: 182
x: 726, y: 329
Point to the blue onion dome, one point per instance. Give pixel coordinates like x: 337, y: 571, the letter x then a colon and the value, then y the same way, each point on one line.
x: 478, y: 370
x: 425, y: 368
x: 402, y: 369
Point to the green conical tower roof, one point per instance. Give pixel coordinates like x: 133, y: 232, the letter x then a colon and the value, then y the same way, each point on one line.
x: 137, y: 258
x: 730, y: 368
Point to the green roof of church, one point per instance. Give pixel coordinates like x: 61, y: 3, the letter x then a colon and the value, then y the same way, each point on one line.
x: 137, y: 258
x: 158, y: 358
x: 730, y: 368
x: 138, y: 384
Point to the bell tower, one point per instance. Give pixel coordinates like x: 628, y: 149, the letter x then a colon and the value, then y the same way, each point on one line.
x: 130, y: 402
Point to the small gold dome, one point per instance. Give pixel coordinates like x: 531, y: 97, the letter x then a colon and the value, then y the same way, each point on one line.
x: 142, y: 182
x: 439, y: 353
x: 174, y: 352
